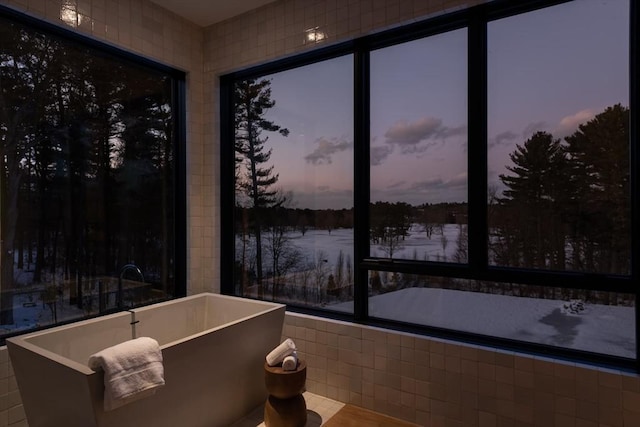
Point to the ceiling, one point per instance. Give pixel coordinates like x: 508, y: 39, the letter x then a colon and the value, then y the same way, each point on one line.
x: 207, y: 12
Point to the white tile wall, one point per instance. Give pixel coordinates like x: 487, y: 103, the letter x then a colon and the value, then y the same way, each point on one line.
x: 435, y: 383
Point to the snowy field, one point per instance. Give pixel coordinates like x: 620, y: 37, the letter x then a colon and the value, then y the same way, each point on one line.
x: 599, y: 328
x: 328, y: 245
x: 30, y: 312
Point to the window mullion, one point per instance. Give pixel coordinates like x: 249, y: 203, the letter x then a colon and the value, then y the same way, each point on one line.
x: 361, y: 168
x: 634, y: 96
x: 477, y: 143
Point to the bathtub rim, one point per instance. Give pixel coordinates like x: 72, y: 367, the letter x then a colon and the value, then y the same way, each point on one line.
x: 269, y: 307
x: 24, y: 339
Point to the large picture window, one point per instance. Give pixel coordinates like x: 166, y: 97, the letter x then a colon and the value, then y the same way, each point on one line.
x: 419, y: 149
x: 90, y: 187
x: 493, y: 168
x: 559, y: 162
x: 293, y: 144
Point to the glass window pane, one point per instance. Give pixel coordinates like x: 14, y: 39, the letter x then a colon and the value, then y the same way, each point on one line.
x: 594, y: 321
x: 559, y: 138
x: 419, y: 149
x: 87, y: 184
x: 294, y: 185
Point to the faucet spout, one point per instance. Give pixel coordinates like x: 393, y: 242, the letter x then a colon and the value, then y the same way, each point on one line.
x: 123, y: 271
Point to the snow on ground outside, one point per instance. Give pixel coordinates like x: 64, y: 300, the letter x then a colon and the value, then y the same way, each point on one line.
x: 30, y: 312
x: 316, y: 241
x: 600, y: 328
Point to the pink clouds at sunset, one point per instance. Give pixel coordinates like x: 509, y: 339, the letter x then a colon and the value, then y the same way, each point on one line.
x: 569, y: 124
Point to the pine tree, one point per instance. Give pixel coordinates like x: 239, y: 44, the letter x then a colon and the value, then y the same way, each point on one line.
x: 599, y: 155
x: 24, y: 84
x: 252, y: 100
x: 531, y: 233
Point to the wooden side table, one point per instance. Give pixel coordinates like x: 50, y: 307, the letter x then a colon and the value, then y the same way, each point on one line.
x: 285, y: 406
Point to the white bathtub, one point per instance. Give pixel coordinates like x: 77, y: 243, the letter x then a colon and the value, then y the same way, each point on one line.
x: 213, y: 348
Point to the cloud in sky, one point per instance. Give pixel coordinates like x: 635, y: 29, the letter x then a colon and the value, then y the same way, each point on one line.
x: 460, y: 180
x: 432, y: 190
x: 534, y: 127
x: 504, y: 138
x: 427, y: 185
x: 566, y: 126
x: 379, y: 153
x: 570, y: 123
x: 455, y: 131
x: 398, y: 184
x: 432, y: 184
x: 327, y: 148
x: 410, y: 136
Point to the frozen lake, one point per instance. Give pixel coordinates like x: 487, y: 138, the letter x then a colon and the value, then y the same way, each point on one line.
x: 314, y: 243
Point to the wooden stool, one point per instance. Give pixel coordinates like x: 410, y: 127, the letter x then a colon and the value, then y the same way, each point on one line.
x: 285, y: 406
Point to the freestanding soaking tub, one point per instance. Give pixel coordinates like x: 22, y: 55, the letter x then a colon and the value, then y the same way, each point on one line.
x: 213, y: 349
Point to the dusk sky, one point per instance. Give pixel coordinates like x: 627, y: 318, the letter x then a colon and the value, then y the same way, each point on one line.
x: 548, y: 70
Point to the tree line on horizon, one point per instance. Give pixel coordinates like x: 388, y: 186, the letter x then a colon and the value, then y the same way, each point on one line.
x: 382, y: 215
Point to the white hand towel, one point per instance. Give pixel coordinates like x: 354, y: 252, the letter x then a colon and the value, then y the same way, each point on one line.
x: 277, y: 355
x: 132, y: 370
x: 290, y: 363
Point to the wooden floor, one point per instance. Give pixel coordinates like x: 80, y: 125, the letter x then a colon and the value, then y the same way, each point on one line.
x: 353, y: 416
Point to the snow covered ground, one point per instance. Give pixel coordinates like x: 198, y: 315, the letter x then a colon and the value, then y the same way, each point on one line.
x: 599, y: 328
x: 29, y: 312
x: 314, y: 242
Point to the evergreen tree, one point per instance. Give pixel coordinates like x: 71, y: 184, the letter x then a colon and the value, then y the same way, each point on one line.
x: 600, y: 208
x: 252, y: 100
x: 24, y: 84
x: 530, y: 230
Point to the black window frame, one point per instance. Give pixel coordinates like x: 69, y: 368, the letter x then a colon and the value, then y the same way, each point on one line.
x: 476, y: 20
x: 178, y: 90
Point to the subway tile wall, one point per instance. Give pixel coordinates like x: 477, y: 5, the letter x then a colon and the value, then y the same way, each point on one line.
x: 436, y: 383
x: 429, y: 382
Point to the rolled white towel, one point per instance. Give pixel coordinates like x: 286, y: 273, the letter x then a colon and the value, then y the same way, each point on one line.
x: 290, y: 363
x: 277, y: 355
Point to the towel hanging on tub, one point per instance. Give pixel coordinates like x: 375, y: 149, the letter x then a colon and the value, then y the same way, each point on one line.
x: 132, y: 370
